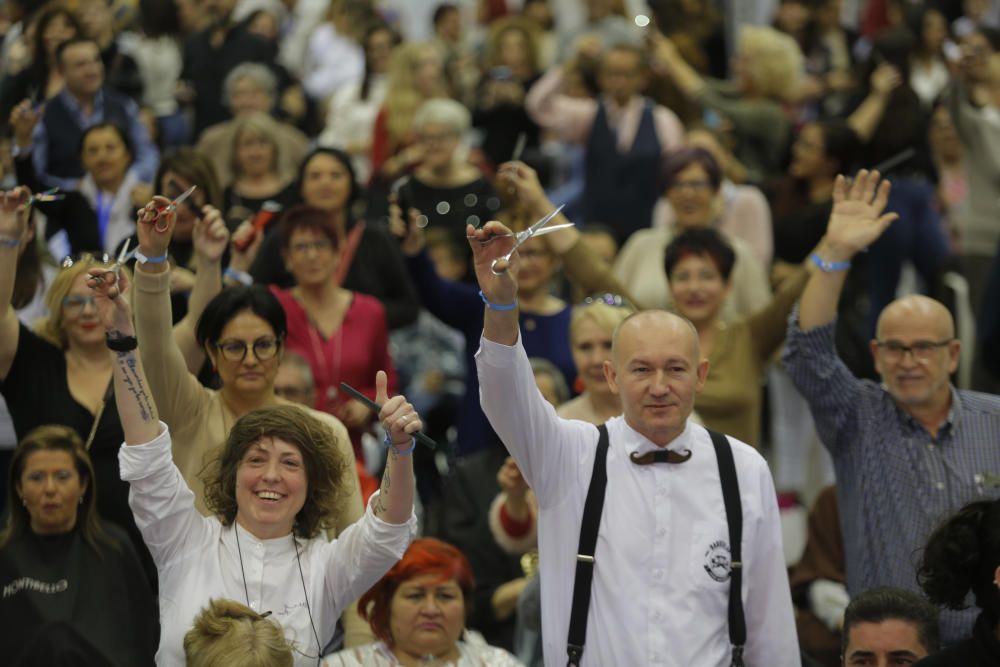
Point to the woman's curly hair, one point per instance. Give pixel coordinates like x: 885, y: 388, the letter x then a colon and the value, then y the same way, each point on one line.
x: 325, y: 465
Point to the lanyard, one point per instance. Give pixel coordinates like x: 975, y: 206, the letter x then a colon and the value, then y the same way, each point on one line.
x: 103, y: 214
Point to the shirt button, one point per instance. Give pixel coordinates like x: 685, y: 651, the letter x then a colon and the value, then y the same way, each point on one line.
x: 657, y: 574
x: 940, y: 486
x: 655, y: 657
x: 660, y: 532
x: 657, y: 616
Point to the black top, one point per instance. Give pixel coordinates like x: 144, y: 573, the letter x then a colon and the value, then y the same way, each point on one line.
x: 103, y: 597
x: 206, y: 68
x: 72, y: 213
x: 981, y: 650
x: 37, y: 392
x: 377, y: 270
x: 236, y: 208
x: 121, y: 72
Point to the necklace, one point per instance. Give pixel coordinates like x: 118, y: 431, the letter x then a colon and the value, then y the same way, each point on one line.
x: 246, y: 592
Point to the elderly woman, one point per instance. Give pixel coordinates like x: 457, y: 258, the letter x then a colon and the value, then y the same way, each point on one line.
x: 257, y: 179
x: 767, y: 70
x: 272, y: 492
x: 370, y: 262
x: 417, y: 611
x: 60, y: 372
x: 232, y: 322
x: 693, y: 179
x: 74, y: 589
x: 962, y: 557
x: 446, y: 189
x: 699, y: 265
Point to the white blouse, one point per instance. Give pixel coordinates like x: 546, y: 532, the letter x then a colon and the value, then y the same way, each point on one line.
x: 198, y: 559
x: 472, y: 648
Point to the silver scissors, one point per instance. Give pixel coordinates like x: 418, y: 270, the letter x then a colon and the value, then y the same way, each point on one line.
x: 172, y: 206
x: 521, y: 237
x: 48, y: 195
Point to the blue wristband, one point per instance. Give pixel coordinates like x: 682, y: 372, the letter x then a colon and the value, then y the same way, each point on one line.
x: 142, y: 259
x: 497, y: 306
x: 406, y: 452
x: 828, y: 267
x: 241, y: 277
x: 9, y: 242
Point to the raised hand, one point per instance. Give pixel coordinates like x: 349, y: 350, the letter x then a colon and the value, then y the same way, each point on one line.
x: 241, y: 256
x: 401, y: 421
x: 857, y: 219
x: 510, y: 480
x: 409, y: 233
x: 155, y: 226
x: 523, y: 181
x: 109, y: 286
x: 210, y: 236
x: 491, y: 242
x: 14, y: 213
x: 23, y: 119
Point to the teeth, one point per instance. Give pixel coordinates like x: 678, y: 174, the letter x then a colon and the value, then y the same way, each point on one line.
x: 269, y: 495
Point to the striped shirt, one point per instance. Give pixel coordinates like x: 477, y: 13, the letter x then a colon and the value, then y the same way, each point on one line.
x: 895, y: 482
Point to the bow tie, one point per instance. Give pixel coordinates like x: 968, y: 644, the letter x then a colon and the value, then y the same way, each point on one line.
x: 660, y: 456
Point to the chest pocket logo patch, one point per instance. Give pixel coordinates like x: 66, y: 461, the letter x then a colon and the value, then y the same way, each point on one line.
x: 718, y: 563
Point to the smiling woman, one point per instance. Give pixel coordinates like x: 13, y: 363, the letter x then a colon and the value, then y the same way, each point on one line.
x: 417, y: 610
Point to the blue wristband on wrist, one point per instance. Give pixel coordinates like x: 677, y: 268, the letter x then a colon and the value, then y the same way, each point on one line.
x: 142, y: 259
x: 9, y: 242
x: 497, y: 306
x: 828, y: 267
x: 241, y: 277
x: 406, y: 452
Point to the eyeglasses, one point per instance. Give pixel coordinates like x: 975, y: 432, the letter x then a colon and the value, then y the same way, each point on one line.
x: 236, y: 350
x: 303, y: 247
x: 922, y: 350
x: 608, y: 299
x: 75, y: 303
x: 694, y: 186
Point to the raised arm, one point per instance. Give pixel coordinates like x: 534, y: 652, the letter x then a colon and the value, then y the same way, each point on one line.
x: 394, y: 503
x: 210, y: 239
x: 856, y: 221
x: 133, y: 396
x: 14, y: 236
x: 885, y: 78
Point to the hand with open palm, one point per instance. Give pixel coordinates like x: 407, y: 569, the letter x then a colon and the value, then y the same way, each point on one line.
x: 857, y: 218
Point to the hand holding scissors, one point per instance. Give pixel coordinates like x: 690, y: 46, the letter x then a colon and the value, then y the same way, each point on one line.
x: 500, y: 264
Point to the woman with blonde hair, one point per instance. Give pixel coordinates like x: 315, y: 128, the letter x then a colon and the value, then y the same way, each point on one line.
x: 767, y: 73
x: 414, y: 76
x: 228, y: 633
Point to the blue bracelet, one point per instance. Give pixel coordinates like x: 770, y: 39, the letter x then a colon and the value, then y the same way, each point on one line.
x: 241, y: 277
x: 142, y: 259
x: 406, y: 452
x: 828, y: 267
x: 497, y: 306
x: 9, y: 242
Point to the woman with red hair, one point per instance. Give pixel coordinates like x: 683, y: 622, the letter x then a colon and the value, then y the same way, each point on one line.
x: 417, y: 611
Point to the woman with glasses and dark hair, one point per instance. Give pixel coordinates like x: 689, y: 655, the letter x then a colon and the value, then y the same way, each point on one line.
x: 59, y: 371
x: 74, y: 590
x: 274, y: 490
x: 242, y: 331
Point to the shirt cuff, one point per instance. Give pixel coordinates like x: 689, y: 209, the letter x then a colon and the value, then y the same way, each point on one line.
x: 497, y: 354
x: 138, y: 461
x: 385, y: 525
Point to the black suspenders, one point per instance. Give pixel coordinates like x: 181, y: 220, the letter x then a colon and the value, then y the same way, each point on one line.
x: 590, y: 524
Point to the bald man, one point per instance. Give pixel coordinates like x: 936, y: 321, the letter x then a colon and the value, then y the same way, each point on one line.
x: 663, y: 561
x: 907, y: 452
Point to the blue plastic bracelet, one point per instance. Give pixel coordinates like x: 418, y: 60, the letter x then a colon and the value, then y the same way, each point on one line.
x: 406, y: 452
x: 9, y: 242
x: 497, y: 306
x: 241, y: 277
x: 142, y: 259
x: 829, y: 266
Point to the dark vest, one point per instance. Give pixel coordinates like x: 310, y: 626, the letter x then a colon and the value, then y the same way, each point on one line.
x: 622, y: 188
x: 64, y: 133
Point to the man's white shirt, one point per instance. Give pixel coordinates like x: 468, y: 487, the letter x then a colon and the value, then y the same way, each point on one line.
x: 661, y: 578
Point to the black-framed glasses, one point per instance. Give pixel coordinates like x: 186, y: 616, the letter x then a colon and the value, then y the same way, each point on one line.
x: 922, y: 350
x: 75, y: 303
x: 236, y: 350
x: 609, y: 299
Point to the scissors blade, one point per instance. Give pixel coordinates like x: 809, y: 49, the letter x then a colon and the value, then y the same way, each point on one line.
x: 180, y: 198
x: 554, y: 228
x: 530, y: 231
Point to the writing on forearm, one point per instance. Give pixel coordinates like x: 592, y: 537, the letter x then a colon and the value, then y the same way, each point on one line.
x: 379, y: 505
x: 134, y: 384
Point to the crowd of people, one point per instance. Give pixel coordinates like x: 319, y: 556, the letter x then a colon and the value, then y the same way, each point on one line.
x: 290, y: 375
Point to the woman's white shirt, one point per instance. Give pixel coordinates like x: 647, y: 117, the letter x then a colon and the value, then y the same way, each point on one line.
x: 351, y: 118
x: 121, y: 217
x: 472, y: 648
x: 198, y: 559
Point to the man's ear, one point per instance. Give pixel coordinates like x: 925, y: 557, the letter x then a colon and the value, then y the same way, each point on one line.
x: 611, y: 375
x: 702, y: 375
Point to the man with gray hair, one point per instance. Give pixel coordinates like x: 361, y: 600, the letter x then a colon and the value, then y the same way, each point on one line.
x: 250, y: 88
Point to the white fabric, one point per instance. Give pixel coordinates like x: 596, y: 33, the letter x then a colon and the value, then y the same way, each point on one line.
x: 197, y: 559
x: 332, y: 61
x: 160, y: 63
x: 828, y: 600
x: 351, y: 119
x: 473, y: 652
x: 121, y: 223
x: 306, y: 15
x: 655, y: 598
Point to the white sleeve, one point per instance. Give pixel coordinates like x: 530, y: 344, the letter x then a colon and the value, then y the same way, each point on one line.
x: 547, y: 449
x: 161, y: 501
x: 771, y: 635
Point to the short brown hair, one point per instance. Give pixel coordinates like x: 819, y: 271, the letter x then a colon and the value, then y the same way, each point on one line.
x: 308, y: 217
x: 325, y: 465
x: 228, y: 633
